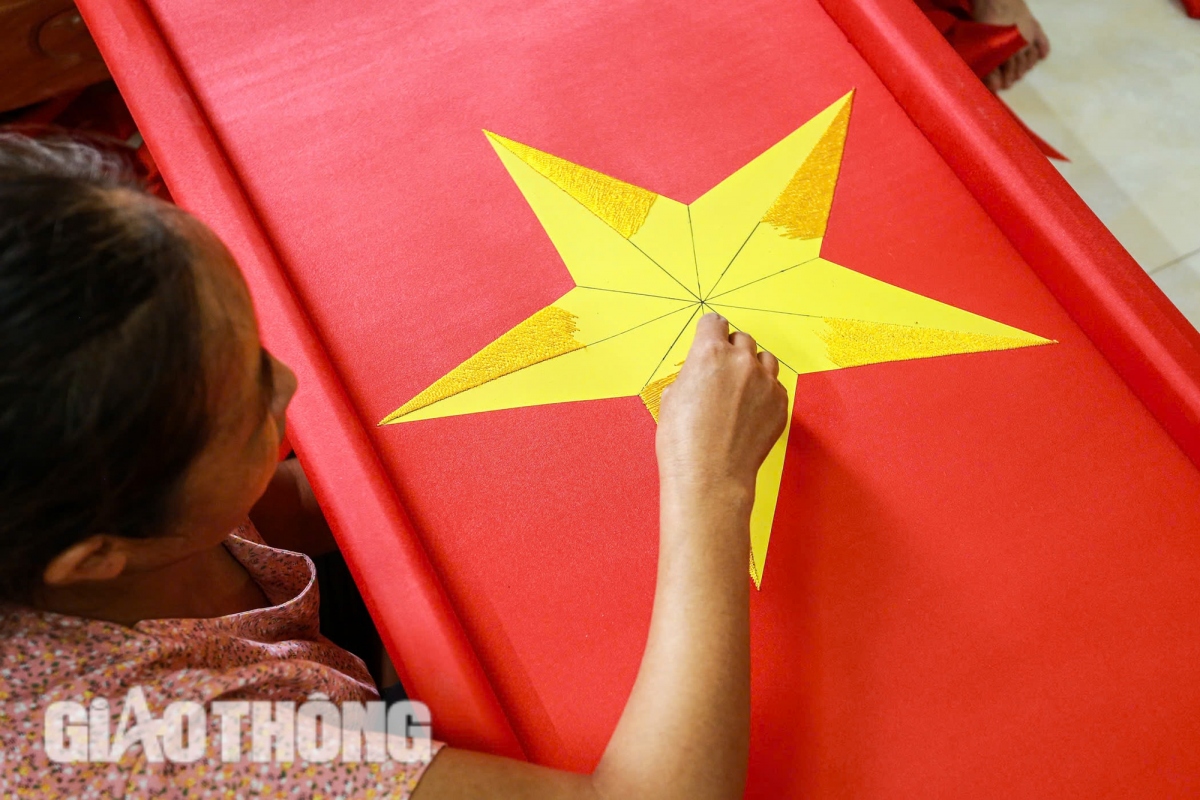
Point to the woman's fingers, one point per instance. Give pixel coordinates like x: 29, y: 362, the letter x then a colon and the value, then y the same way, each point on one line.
x: 770, y: 363
x: 723, y: 413
x: 1029, y: 57
x: 1008, y: 73
x: 711, y: 327
x: 1042, y: 43
x: 1020, y: 64
x: 743, y: 341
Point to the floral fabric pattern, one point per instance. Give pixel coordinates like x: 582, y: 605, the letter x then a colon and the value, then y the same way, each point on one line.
x: 272, y: 653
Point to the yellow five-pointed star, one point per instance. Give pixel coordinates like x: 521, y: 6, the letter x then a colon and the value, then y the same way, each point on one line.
x: 646, y: 268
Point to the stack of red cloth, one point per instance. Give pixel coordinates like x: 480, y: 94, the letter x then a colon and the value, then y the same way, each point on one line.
x: 97, y: 115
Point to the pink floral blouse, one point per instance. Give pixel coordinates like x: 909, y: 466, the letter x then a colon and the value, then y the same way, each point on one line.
x: 273, y: 653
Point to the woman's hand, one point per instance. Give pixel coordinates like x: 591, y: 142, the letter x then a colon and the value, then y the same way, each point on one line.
x: 720, y: 418
x: 685, y: 731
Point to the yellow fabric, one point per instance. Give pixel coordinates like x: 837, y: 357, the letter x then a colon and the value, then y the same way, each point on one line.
x: 652, y: 393
x: 647, y: 268
x: 594, y: 252
x: 660, y: 240
x: 852, y: 343
x: 766, y: 487
x: 822, y: 289
x: 614, y: 367
x: 726, y: 215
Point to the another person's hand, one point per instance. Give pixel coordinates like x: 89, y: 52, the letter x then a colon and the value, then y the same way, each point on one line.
x: 720, y: 418
x: 1013, y: 12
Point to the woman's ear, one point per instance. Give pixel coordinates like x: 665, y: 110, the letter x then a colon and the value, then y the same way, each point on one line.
x: 96, y: 558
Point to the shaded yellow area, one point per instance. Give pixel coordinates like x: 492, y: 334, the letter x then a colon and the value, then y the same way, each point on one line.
x: 802, y: 208
x: 647, y: 267
x: 548, y: 333
x: 652, y: 394
x: 853, y: 343
x: 622, y: 205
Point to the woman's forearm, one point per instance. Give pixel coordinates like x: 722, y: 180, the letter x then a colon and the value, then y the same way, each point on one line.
x: 685, y: 729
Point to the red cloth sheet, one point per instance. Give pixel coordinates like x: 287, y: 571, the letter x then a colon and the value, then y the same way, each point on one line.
x: 983, y: 575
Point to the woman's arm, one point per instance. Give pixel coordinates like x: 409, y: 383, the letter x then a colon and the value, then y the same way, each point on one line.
x: 685, y: 729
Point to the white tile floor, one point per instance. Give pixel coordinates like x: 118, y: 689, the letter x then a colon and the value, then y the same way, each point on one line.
x: 1120, y: 96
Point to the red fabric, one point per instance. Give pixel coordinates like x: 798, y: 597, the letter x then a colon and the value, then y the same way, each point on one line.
x: 1192, y: 7
x: 1047, y: 149
x: 983, y: 576
x: 984, y: 47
